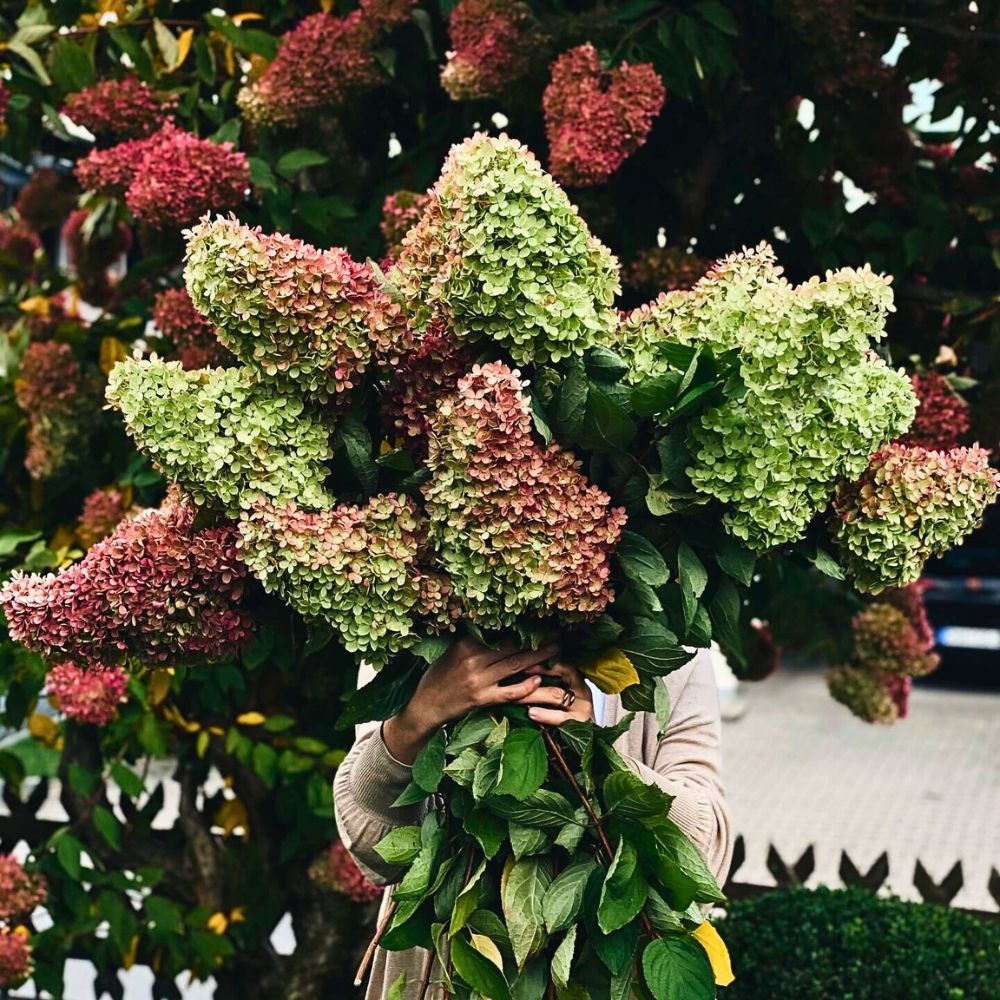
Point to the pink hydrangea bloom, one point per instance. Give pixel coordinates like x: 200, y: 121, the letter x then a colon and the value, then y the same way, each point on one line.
x: 87, y: 256
x: 339, y: 872
x: 494, y: 43
x: 321, y: 62
x: 87, y: 695
x: 53, y: 391
x: 15, y: 957
x: 20, y: 891
x: 910, y: 600
x: 871, y: 696
x: 194, y: 338
x: 425, y: 374
x: 886, y: 641
x: 595, y: 119
x: 18, y: 241
x: 119, y: 109
x: 157, y: 589
x: 47, y: 198
x: 102, y: 511
x: 942, y: 419
x: 401, y: 211
x: 517, y: 528
x: 170, y: 179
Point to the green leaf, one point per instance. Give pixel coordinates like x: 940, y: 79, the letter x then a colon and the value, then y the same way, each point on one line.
x: 562, y: 959
x: 572, y: 402
x: 719, y: 16
x: 724, y: 610
x: 278, y: 723
x: 522, y: 900
x: 489, y: 830
x: 677, y: 968
x: 538, y: 419
x: 384, y: 696
x: 564, y: 897
x: 606, y: 426
x: 397, y: 989
x: 605, y: 365
x: 357, y: 444
x: 68, y: 851
x: 473, y: 729
x: 524, y: 763
x: 640, y: 560
x: 31, y: 57
x: 543, y: 808
x: 467, y: 902
x: 165, y: 42
x: 827, y: 565
x: 428, y: 768
x: 432, y: 648
x: 400, y: 846
x: 478, y: 972
x: 691, y: 570
x: 228, y: 131
x: 297, y: 159
x: 735, y: 559
x: 11, y: 539
x: 128, y: 44
x: 127, y: 780
x: 617, y: 950
x: 661, y: 705
x: 525, y: 840
x: 107, y: 826
x: 655, y: 395
x: 624, y: 890
x: 70, y: 66
x: 265, y: 763
x: 652, y: 648
x: 630, y: 798
x: 487, y: 772
x: 409, y: 796
x: 463, y: 768
x: 682, y: 871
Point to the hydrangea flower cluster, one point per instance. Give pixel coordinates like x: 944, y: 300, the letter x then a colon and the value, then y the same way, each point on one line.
x: 872, y: 697
x: 502, y: 254
x: 119, y: 109
x: 195, y: 339
x: 493, y: 44
x: 15, y: 956
x: 89, y: 696
x: 517, y: 529
x: 321, y: 62
x: 353, y: 568
x: 55, y: 394
x: 47, y: 198
x: 910, y: 504
x: 942, y: 419
x: 337, y: 871
x: 910, y: 600
x: 401, y: 211
x: 18, y: 241
x: 425, y: 374
x: 596, y: 119
x: 91, y: 258
x: 311, y: 318
x: 159, y: 589
x: 665, y: 269
x: 102, y: 512
x: 20, y: 892
x: 222, y: 434
x: 818, y: 402
x: 169, y: 179
x: 886, y: 641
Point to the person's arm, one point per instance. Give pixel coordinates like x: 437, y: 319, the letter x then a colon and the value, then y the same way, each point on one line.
x: 378, y: 767
x: 686, y: 762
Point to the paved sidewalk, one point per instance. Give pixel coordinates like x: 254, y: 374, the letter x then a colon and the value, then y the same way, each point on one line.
x: 800, y: 770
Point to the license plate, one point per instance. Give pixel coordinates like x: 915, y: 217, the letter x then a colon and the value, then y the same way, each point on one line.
x: 966, y: 637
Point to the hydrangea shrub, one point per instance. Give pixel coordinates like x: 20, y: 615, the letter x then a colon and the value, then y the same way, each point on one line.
x: 89, y: 696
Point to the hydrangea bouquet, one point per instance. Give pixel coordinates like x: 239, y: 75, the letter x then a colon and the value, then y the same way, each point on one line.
x: 476, y: 441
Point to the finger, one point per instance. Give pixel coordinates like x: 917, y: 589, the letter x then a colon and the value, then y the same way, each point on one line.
x: 564, y: 672
x: 505, y: 694
x: 487, y: 655
x: 523, y: 661
x: 554, y: 696
x: 548, y: 716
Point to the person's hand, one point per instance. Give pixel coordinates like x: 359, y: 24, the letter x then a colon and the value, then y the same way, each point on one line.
x: 555, y: 704
x: 467, y: 676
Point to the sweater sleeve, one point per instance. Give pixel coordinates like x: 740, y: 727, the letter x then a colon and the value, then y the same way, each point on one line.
x: 686, y: 762
x: 367, y: 782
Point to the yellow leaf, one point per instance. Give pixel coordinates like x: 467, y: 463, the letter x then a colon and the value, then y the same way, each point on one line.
x: 62, y: 538
x: 217, y: 923
x: 326, y: 6
x: 173, y: 715
x: 128, y: 959
x: 184, y: 41
x: 250, y: 15
x: 231, y: 816
x: 36, y: 305
x: 487, y: 949
x: 43, y: 728
x: 612, y: 671
x: 229, y: 54
x: 158, y: 686
x: 201, y: 744
x: 22, y: 932
x: 384, y: 448
x: 112, y: 351
x: 251, y: 719
x: 238, y: 915
x: 718, y: 954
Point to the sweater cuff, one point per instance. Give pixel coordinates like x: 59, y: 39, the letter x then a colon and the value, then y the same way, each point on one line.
x: 687, y: 811
x: 377, y: 778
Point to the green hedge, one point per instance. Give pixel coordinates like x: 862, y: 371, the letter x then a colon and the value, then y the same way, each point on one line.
x: 851, y: 945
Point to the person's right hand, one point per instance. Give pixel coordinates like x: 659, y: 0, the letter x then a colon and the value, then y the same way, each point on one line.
x: 467, y: 676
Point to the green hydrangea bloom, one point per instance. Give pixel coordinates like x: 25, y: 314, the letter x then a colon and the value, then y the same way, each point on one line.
x: 910, y: 504
x: 221, y: 433
x: 818, y: 401
x: 353, y: 568
x: 503, y: 254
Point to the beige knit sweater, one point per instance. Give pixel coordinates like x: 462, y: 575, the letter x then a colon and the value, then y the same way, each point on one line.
x: 684, y: 763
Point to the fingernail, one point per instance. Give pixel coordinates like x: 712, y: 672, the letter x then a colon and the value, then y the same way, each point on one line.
x: 533, y: 713
x: 536, y: 680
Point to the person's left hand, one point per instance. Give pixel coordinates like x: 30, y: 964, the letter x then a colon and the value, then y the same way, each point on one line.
x: 557, y: 703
